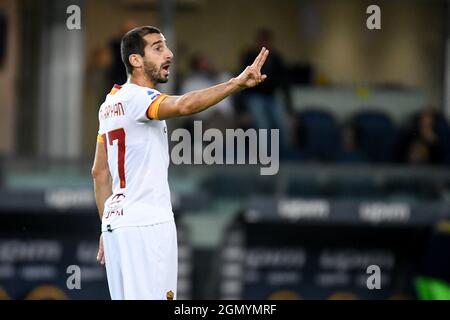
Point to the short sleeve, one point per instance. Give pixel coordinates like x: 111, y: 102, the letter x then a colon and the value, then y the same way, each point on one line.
x: 144, y: 105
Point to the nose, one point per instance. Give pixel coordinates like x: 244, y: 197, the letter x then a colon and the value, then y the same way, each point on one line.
x: 169, y: 54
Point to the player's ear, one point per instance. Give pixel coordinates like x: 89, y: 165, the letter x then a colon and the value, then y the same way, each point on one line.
x: 136, y: 60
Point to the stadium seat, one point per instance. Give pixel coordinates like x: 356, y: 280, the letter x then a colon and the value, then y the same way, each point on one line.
x: 375, y: 135
x: 318, y: 135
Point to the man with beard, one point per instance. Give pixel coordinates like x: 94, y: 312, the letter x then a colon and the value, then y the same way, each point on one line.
x: 138, y: 244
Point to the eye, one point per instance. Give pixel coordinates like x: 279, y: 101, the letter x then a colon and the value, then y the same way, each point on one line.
x: 158, y: 48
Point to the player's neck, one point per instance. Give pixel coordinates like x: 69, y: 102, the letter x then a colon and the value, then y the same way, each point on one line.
x: 141, y: 80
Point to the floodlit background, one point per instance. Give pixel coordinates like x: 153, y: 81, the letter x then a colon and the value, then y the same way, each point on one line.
x: 364, y: 147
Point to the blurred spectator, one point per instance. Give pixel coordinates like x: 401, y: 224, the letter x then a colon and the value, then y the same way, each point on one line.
x: 98, y: 71
x: 117, y: 71
x: 422, y: 141
x: 261, y: 101
x: 274, y: 66
x: 202, y: 75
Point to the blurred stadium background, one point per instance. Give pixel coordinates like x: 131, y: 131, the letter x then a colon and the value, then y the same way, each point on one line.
x: 364, y: 176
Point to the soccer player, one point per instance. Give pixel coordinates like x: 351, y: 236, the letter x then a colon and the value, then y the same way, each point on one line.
x: 138, y: 243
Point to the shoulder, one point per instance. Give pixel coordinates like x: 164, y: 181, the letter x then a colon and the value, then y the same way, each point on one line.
x: 132, y: 91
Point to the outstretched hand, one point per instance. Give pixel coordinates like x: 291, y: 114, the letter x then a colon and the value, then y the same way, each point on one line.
x: 251, y: 76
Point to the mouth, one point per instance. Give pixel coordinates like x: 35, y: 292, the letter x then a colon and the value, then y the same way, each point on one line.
x: 166, y: 67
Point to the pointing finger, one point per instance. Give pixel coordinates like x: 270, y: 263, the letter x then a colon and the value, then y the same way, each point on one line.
x: 263, y: 59
x: 258, y: 58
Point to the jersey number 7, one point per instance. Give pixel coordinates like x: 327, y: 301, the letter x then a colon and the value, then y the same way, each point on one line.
x: 119, y: 135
